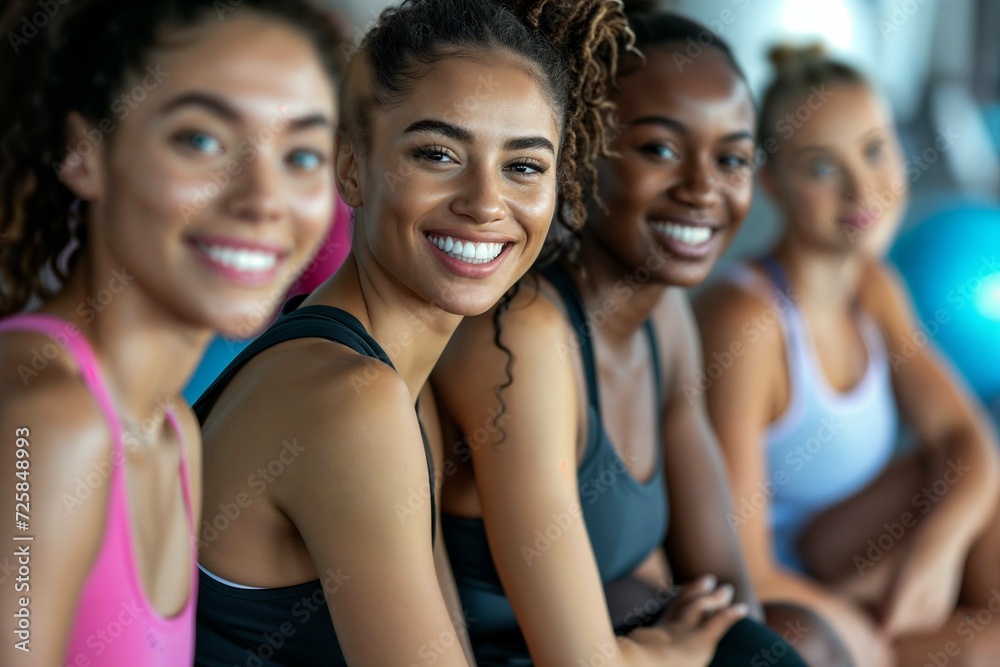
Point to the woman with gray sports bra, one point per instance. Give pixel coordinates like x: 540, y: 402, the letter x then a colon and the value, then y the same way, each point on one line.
x: 585, y: 482
x: 807, y: 407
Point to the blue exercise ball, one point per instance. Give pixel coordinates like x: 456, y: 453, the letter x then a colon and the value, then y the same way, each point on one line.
x: 951, y: 263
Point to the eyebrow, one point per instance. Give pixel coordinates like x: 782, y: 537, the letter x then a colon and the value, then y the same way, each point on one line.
x: 874, y: 133
x: 679, y: 127
x: 527, y: 143
x: 458, y: 133
x: 813, y: 149
x: 449, y: 130
x: 220, y: 107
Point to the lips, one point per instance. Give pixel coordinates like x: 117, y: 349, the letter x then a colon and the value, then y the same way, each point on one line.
x: 686, y: 239
x: 861, y: 220
x: 246, y: 263
x: 468, y: 254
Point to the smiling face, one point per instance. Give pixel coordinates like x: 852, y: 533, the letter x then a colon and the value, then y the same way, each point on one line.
x: 838, y: 179
x: 215, y: 184
x: 682, y: 181
x: 457, y: 187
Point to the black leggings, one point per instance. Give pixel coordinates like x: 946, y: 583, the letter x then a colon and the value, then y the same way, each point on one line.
x: 747, y: 644
x: 750, y: 644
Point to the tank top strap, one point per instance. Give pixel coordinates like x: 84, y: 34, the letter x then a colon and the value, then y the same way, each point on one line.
x: 654, y: 354
x: 86, y: 363
x: 185, y: 477
x: 570, y: 295
x: 779, y: 278
x: 316, y: 321
x: 788, y: 315
x: 578, y: 318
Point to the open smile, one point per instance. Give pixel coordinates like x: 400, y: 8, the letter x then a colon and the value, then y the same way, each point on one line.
x: 467, y: 251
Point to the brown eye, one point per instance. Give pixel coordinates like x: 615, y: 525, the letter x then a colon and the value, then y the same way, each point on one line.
x: 734, y: 162
x: 660, y: 151
x: 528, y: 167
x: 433, y: 154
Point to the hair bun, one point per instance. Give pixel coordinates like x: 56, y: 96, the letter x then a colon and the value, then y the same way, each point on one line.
x: 787, y: 58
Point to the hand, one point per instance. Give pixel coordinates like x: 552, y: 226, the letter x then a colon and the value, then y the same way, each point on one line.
x: 925, y: 590
x: 697, y: 619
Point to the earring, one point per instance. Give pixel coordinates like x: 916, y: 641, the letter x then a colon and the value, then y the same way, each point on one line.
x: 73, y: 219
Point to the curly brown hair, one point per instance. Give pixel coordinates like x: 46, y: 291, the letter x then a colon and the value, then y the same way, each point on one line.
x: 78, y: 61
x: 573, y: 47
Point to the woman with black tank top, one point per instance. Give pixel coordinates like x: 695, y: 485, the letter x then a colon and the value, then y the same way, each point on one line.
x: 462, y: 123
x: 559, y: 541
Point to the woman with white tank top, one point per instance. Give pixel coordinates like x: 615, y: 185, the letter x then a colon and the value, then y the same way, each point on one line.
x: 896, y: 551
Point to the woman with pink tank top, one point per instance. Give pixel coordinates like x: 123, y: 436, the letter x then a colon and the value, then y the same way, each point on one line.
x: 165, y: 169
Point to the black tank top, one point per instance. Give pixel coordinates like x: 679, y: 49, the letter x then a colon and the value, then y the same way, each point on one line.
x: 288, y: 626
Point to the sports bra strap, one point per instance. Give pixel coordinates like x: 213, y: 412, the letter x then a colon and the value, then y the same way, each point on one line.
x: 315, y: 321
x: 583, y: 328
x: 564, y: 285
x: 777, y: 274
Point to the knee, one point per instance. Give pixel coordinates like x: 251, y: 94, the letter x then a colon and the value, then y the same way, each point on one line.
x: 810, y: 635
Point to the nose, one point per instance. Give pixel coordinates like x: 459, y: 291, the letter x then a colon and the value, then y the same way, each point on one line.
x: 697, y: 187
x: 480, y: 196
x: 257, y: 194
x: 852, y: 185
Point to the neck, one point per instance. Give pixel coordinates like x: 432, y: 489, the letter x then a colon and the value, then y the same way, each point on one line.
x: 821, y: 281
x: 146, y: 353
x: 624, y: 296
x: 412, y: 331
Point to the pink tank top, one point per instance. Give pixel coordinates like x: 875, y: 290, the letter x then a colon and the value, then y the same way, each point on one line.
x: 115, y: 625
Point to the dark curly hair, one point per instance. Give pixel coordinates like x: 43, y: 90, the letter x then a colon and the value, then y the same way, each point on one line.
x: 78, y: 59
x: 573, y: 48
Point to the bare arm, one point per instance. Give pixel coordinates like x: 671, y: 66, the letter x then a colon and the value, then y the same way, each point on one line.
x: 947, y: 420
x: 63, y: 437
x: 349, y: 498
x: 430, y: 419
x: 700, y: 540
x: 959, y: 495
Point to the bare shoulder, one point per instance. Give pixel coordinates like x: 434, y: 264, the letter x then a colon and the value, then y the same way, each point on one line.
x: 883, y: 293
x: 56, y: 450
x: 68, y: 460
x: 68, y: 427
x: 535, y: 320
x: 726, y: 305
x: 338, y: 406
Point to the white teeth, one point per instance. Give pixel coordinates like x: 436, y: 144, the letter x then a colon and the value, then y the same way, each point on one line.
x: 684, y: 233
x: 467, y: 251
x: 241, y: 259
